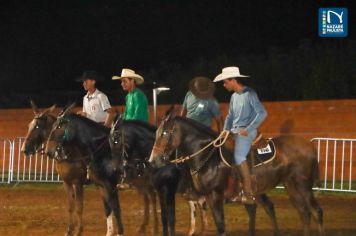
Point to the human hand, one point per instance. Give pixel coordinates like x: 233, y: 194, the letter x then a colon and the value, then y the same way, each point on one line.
x: 81, y: 113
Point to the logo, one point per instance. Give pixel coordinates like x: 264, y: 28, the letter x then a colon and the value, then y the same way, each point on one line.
x: 333, y: 22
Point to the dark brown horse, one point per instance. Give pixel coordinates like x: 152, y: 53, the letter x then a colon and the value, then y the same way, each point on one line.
x: 295, y: 166
x: 71, y: 170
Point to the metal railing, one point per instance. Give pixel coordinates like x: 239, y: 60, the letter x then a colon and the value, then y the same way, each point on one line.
x: 336, y: 164
x: 335, y: 157
x: 6, y: 154
x: 37, y: 168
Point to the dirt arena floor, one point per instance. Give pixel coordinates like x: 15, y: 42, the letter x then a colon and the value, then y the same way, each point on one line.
x: 40, y: 209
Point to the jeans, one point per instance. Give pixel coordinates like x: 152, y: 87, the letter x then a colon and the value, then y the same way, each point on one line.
x: 243, y: 146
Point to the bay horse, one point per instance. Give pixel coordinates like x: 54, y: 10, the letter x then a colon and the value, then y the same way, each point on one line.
x: 131, y: 143
x: 91, y: 139
x: 295, y: 166
x: 71, y: 170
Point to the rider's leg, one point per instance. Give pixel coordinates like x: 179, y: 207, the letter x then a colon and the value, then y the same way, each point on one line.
x: 242, y: 148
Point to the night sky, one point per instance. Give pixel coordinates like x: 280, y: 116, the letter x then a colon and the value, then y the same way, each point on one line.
x: 45, y: 45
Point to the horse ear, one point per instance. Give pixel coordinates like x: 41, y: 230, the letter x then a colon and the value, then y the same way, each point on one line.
x: 170, y: 113
x: 118, y: 118
x: 35, y: 109
x: 50, y: 109
x: 68, y: 109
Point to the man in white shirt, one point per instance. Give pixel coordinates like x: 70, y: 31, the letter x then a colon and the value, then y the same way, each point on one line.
x: 96, y: 105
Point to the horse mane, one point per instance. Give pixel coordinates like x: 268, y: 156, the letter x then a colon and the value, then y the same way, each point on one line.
x: 146, y: 125
x: 200, y: 127
x: 90, y: 122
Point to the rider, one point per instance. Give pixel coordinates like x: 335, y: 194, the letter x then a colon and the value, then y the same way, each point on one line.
x: 96, y: 105
x: 199, y: 103
x: 246, y: 114
x: 136, y: 101
x: 136, y: 107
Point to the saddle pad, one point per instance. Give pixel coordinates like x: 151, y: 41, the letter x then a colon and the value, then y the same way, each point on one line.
x: 266, y: 154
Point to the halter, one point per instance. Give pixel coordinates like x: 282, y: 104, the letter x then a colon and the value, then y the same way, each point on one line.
x: 170, y: 133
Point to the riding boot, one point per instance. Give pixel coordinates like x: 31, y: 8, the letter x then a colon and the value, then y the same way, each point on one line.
x: 248, y: 193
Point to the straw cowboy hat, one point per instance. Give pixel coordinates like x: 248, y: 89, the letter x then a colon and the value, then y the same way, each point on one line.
x: 229, y: 72
x: 89, y: 75
x: 202, y: 87
x: 128, y: 73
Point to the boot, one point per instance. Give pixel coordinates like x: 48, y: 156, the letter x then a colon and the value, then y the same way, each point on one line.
x: 248, y: 193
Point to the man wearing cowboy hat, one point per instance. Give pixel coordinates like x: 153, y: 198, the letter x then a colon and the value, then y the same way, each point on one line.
x: 136, y: 101
x: 199, y: 103
x: 246, y: 114
x: 96, y: 105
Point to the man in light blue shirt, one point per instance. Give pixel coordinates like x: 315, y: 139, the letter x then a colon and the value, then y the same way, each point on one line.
x: 199, y: 103
x: 246, y: 114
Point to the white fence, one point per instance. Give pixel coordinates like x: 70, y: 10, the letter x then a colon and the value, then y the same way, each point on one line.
x: 6, y: 154
x: 335, y: 156
x: 336, y: 164
x: 16, y: 167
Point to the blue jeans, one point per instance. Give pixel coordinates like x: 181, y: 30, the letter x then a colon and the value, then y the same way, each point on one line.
x: 243, y: 146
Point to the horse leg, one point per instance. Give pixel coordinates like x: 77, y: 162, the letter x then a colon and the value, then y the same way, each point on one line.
x: 216, y: 204
x: 301, y: 205
x: 146, y: 212
x: 203, y: 214
x: 70, y: 199
x: 152, y: 195
x: 163, y: 204
x: 317, y: 213
x: 167, y: 200
x: 269, y: 209
x: 192, y: 210
x: 315, y: 209
x: 78, y: 188
x: 171, y: 209
x: 251, y: 211
x: 112, y: 209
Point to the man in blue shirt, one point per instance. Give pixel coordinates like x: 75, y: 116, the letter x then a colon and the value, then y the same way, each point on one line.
x: 246, y: 114
x: 199, y: 103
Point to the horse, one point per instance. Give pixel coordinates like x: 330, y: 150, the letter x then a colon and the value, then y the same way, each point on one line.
x: 91, y: 139
x: 71, y: 170
x: 295, y: 165
x: 133, y: 140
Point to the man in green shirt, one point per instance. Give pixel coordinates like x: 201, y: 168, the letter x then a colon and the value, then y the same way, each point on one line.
x: 136, y: 101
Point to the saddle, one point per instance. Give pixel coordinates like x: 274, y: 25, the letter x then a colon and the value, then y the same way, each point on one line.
x: 262, y: 151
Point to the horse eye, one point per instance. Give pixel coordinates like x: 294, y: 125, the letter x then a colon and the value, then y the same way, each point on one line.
x: 58, y: 127
x: 164, y: 133
x: 37, y: 127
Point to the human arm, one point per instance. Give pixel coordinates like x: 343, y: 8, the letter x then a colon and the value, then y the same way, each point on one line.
x: 261, y: 113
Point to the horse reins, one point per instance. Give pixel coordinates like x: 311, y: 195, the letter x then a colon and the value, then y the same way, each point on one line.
x: 216, y: 143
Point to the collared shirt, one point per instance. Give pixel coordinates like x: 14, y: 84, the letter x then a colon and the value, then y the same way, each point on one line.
x: 245, y: 111
x: 201, y: 110
x: 95, y: 105
x: 136, y: 106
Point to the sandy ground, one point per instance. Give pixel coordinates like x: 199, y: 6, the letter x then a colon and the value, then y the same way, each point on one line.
x: 40, y: 209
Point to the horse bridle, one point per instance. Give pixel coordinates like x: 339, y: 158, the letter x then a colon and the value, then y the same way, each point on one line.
x: 170, y: 132
x: 42, y: 133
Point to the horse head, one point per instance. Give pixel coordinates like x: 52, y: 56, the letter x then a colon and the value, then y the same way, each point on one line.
x: 38, y: 129
x: 167, y: 140
x: 62, y: 132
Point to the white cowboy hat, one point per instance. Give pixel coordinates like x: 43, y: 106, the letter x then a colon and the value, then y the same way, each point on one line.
x: 229, y: 72
x: 128, y: 73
